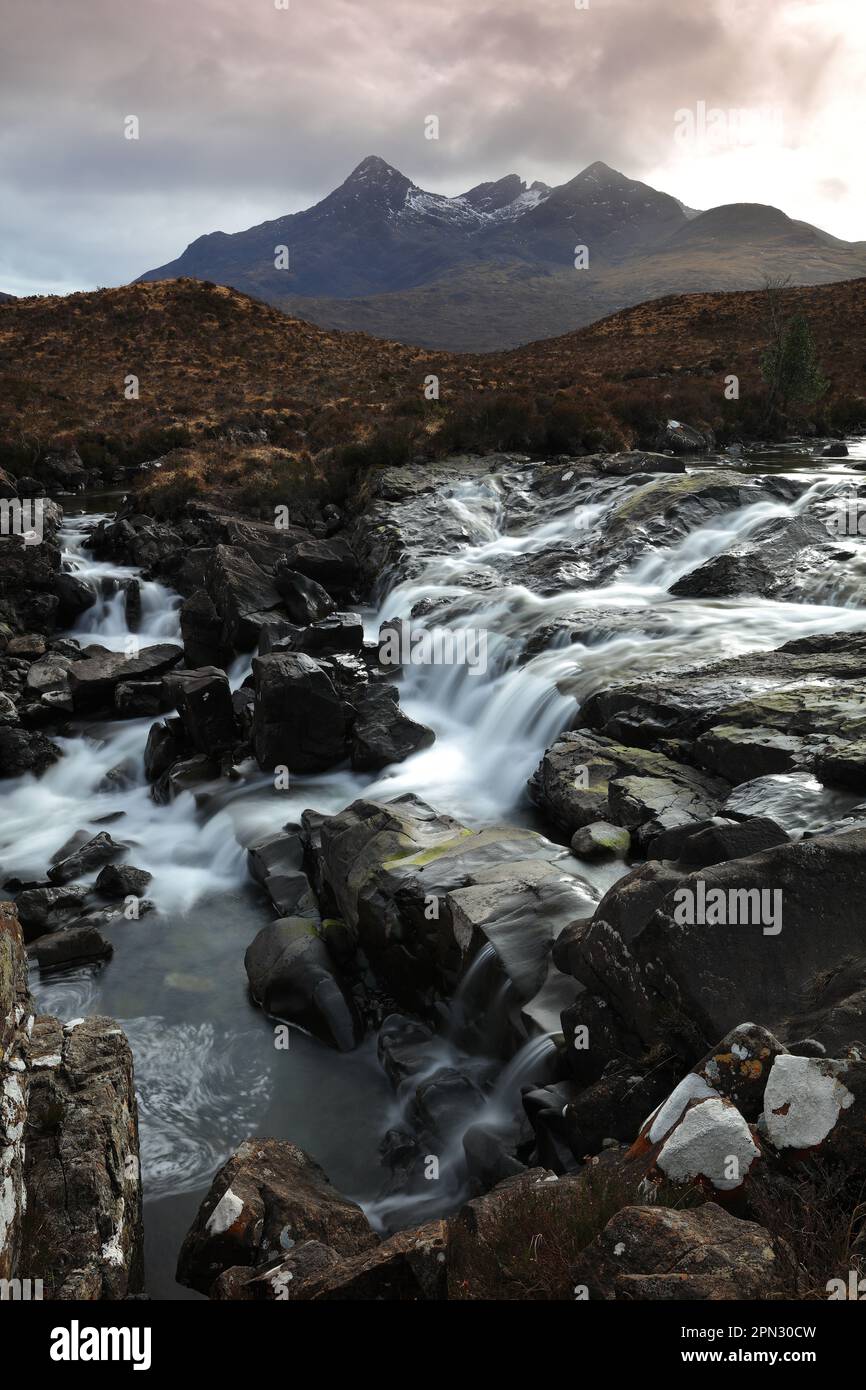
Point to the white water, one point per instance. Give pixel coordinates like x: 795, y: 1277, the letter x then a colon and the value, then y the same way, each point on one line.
x: 205, y: 1063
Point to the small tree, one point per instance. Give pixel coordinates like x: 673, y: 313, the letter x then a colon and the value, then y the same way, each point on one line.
x: 791, y: 368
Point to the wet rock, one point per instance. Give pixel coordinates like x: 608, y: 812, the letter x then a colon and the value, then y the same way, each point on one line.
x: 202, y: 630
x: 94, y: 679
x: 292, y: 977
x: 304, y: 600
x: 656, y: 1253
x: 424, y: 893
x: 276, y: 863
x: 836, y: 449
x: 139, y: 699
x: 341, y: 632
x: 99, y: 850
x: 166, y: 744
x: 24, y: 750
x: 45, y: 909
x: 600, y: 839
x: 446, y: 1102
x: 72, y: 946
x: 718, y: 840
x: 184, y: 776
x: 382, y: 733
x: 783, y: 559
x: 403, y: 1048
x: 300, y: 721
x: 75, y: 596
x: 584, y: 777
x: 122, y: 881
x: 204, y: 705
x: 243, y: 595
x: 488, y: 1156
x: 268, y: 1193
x: 331, y: 563
x: 279, y: 1281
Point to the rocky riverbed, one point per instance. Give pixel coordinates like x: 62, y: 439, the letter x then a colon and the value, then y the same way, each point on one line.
x: 554, y: 923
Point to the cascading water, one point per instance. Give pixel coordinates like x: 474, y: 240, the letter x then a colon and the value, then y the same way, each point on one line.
x: 207, y: 1070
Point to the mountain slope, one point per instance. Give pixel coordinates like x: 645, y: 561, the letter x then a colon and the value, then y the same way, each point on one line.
x: 495, y: 267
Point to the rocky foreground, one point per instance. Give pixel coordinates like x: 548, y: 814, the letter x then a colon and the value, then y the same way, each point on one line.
x: 700, y: 1130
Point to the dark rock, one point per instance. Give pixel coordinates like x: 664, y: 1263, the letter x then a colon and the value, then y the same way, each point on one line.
x: 94, y: 679
x: 718, y: 840
x: 291, y: 976
x: 202, y: 630
x: 204, y: 704
x: 382, y: 733
x: 184, y: 776
x: 305, y: 601
x: 139, y: 699
x: 269, y: 1192
x: 243, y: 595
x: 101, y: 849
x: 69, y: 947
x: 300, y: 721
x: 122, y: 881
x: 75, y: 596
x: 166, y: 744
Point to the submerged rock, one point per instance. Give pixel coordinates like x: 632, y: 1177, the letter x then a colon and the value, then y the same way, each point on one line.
x: 293, y: 978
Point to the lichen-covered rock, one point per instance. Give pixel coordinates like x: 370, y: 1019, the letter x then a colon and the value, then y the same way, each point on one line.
x: 658, y: 1253
x: 818, y: 1105
x: 267, y: 1197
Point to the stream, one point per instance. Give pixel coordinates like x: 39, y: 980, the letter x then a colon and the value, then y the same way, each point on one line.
x: 207, y: 1071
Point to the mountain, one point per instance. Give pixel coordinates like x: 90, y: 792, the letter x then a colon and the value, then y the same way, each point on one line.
x: 495, y: 266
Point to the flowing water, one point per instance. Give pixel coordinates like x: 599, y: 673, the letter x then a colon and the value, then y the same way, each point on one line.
x: 207, y: 1069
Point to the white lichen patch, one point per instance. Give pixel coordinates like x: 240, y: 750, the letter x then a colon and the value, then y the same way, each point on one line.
x: 803, y: 1101
x: 51, y: 1059
x: 711, y: 1141
x: 224, y: 1214
x: 112, y: 1253
x: 661, y: 1121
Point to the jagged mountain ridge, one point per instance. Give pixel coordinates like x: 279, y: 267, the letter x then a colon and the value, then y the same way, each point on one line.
x: 494, y: 266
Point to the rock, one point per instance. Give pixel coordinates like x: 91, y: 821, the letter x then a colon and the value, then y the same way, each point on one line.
x: 101, y: 849
x: 836, y: 449
x: 69, y: 1172
x: 817, y: 1106
x: 84, y: 1233
x: 45, y: 909
x: 204, y: 705
x: 270, y: 1192
x: 122, y: 881
x: 446, y: 1102
x: 300, y: 721
x: 304, y: 600
x: 787, y: 948
x: 75, y: 596
x: 94, y: 679
x: 718, y: 840
x: 382, y: 733
x: 166, y: 744
x: 784, y: 559
x: 683, y: 439
x: 24, y: 750
x: 584, y: 778
x: 243, y: 595
x: 762, y: 713
x: 656, y: 1253
x: 424, y: 893
x: 73, y: 945
x: 275, y: 862
x: 331, y: 563
x: 202, y: 630
x: 184, y: 776
x: 139, y: 699
x: 599, y: 839
x: 488, y: 1157
x: 403, y: 1047
x: 292, y: 977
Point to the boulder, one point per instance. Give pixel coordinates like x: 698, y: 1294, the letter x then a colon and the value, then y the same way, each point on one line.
x: 600, y: 839
x: 816, y: 1106
x: 717, y: 840
x: 202, y: 630
x: 683, y: 439
x: 268, y: 1194
x: 382, y: 733
x: 99, y: 850
x: 166, y: 744
x: 656, y: 1253
x: 139, y: 699
x: 300, y: 720
x: 122, y: 881
x: 331, y: 563
x: 75, y: 596
x: 304, y: 600
x: 94, y: 679
x: 243, y: 595
x: 72, y: 946
x: 45, y: 909
x: 204, y: 705
x: 292, y: 977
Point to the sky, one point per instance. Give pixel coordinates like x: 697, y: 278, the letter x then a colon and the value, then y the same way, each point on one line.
x: 250, y: 109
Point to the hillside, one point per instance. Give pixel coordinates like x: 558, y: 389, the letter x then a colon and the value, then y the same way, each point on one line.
x: 232, y: 388
x: 494, y: 267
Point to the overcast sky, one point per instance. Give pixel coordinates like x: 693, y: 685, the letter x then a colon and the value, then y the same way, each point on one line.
x: 248, y: 111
